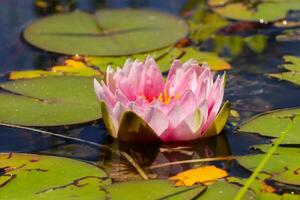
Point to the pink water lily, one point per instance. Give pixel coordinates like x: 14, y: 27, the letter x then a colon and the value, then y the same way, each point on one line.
x: 137, y: 104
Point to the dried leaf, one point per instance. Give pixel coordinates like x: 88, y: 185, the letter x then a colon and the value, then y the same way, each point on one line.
x: 205, y: 175
x: 70, y: 68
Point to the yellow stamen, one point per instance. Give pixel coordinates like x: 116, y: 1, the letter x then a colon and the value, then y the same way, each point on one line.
x: 165, y: 98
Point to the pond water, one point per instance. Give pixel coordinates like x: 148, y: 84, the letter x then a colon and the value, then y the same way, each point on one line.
x: 248, y: 89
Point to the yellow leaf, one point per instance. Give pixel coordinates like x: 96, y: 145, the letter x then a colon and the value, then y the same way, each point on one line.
x: 29, y: 74
x: 266, y: 188
x: 234, y: 113
x: 205, y: 175
x: 70, y: 68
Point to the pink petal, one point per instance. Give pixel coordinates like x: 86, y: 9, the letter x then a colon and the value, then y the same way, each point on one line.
x: 134, y: 76
x: 110, y: 79
x: 151, y: 80
x: 157, y: 120
x: 121, y: 97
x: 103, y: 93
x: 127, y: 66
x: 175, y: 65
x: 116, y: 114
x: 188, y: 129
x: 125, y: 86
x: 187, y: 102
x: 218, y: 94
x: 183, y: 81
x: 98, y: 89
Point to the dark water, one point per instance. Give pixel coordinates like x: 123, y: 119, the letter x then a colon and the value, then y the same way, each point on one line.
x: 249, y: 90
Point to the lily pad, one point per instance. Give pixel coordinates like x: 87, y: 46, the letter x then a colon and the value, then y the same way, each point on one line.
x: 164, y: 58
x: 289, y: 35
x: 283, y: 166
x: 47, y: 177
x: 204, y: 24
x: 90, y: 66
x: 236, y: 44
x: 223, y: 190
x: 262, y: 190
x: 49, y: 101
x: 107, y: 33
x: 293, y: 73
x: 265, y: 11
x: 271, y: 124
x: 151, y: 190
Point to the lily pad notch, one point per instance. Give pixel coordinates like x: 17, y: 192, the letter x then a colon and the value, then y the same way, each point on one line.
x: 106, y: 33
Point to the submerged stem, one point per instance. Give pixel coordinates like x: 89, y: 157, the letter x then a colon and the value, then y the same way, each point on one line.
x: 101, y: 146
x: 264, y: 161
x: 194, y: 161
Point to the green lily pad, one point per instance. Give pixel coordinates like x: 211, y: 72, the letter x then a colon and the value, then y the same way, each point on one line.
x: 293, y: 73
x: 204, y: 24
x: 266, y: 11
x: 262, y: 190
x: 151, y: 189
x: 283, y: 166
x: 104, y: 61
x: 107, y: 33
x: 28, y: 176
x: 271, y: 124
x: 289, y: 35
x: 49, y: 101
x: 236, y: 44
x: 223, y: 190
x: 164, y: 58
x: 273, y: 196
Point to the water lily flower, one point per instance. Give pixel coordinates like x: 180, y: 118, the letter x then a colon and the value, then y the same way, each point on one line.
x: 139, y: 106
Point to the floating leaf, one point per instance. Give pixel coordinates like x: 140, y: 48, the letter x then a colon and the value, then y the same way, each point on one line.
x: 47, y: 177
x: 71, y: 68
x: 289, y: 35
x: 235, y: 44
x: 164, y: 58
x: 265, y: 11
x: 293, y: 67
x: 151, y: 190
x: 283, y: 166
x: 107, y: 33
x: 271, y: 124
x: 49, y: 101
x: 104, y: 61
x: 204, y: 174
x: 204, y: 24
x: 262, y: 190
x: 223, y: 190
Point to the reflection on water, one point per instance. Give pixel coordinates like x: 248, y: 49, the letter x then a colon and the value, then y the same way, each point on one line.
x: 248, y: 89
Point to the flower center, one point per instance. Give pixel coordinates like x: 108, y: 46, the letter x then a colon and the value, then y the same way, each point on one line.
x: 165, y: 98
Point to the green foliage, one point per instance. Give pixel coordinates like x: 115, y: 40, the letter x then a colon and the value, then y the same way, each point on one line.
x: 267, y: 11
x: 271, y: 124
x: 223, y: 190
x: 151, y: 190
x: 293, y: 73
x: 282, y: 167
x: 164, y: 58
x: 235, y: 44
x: 28, y: 176
x: 49, y: 101
x: 107, y: 33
